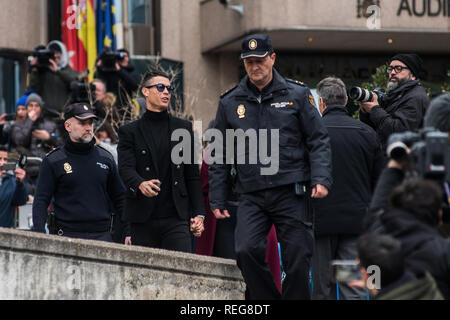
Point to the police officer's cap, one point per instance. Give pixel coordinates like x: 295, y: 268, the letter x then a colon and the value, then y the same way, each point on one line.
x: 256, y: 45
x: 81, y: 111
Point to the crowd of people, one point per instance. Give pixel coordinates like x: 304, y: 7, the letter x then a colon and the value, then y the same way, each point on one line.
x: 95, y: 172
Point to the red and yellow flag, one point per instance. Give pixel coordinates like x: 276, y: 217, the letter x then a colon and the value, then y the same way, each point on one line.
x: 78, y: 34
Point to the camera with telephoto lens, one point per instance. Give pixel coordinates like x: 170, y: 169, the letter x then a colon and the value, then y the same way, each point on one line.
x: 109, y: 59
x: 82, y: 92
x: 429, y: 158
x: 364, y: 95
x: 43, y: 56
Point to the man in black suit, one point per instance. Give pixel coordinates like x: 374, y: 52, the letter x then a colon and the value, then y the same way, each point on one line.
x: 163, y: 198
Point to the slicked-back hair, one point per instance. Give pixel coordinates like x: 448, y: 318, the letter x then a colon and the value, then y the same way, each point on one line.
x: 152, y: 74
x: 332, y: 90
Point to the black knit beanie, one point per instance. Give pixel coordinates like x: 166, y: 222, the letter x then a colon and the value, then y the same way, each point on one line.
x: 413, y: 62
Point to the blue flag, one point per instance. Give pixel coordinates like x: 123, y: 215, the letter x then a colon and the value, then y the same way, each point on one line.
x: 106, y: 25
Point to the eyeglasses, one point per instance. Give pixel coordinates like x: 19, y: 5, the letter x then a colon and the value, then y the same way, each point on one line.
x: 397, y: 69
x: 160, y: 87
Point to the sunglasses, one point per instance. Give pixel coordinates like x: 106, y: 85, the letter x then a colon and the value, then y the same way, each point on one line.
x: 160, y: 87
x: 397, y: 69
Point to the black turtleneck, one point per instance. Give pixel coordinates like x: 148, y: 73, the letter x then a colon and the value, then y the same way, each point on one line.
x: 79, y: 147
x: 158, y: 125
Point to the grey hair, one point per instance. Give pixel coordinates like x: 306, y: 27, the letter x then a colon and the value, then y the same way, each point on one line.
x: 332, y: 90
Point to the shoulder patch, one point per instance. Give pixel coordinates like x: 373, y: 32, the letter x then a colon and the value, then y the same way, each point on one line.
x: 104, y: 152
x: 228, y: 91
x: 56, y: 154
x: 300, y: 83
x: 50, y: 152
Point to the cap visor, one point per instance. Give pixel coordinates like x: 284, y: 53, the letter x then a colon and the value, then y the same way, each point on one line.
x: 86, y: 116
x: 254, y: 54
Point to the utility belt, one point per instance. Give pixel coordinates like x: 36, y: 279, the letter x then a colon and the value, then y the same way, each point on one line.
x: 55, y: 228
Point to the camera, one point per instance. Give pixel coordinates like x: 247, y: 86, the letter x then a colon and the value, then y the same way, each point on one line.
x: 43, y: 56
x: 430, y: 152
x: 364, y: 95
x: 20, y: 163
x: 109, y: 59
x: 345, y: 271
x: 82, y: 92
x: 429, y: 158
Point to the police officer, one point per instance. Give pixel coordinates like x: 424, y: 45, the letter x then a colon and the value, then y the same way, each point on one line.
x: 269, y: 104
x: 83, y: 180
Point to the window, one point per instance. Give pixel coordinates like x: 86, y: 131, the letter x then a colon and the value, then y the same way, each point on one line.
x: 9, y: 84
x: 140, y: 12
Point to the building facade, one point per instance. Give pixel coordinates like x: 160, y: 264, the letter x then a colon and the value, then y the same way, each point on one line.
x: 312, y: 39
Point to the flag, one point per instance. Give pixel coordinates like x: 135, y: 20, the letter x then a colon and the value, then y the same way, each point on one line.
x: 106, y: 25
x: 78, y: 34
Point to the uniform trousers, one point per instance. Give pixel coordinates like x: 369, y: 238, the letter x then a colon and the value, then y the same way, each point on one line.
x: 290, y: 213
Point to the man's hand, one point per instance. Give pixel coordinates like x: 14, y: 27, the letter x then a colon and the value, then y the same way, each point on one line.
x: 53, y: 65
x: 367, y: 106
x: 33, y: 115
x: 127, y: 241
x: 319, y: 191
x: 221, y: 213
x: 41, y: 134
x: 20, y: 174
x: 149, y: 188
x: 197, y: 226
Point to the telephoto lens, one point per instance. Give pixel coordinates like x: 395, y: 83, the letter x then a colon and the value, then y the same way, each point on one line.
x: 360, y: 94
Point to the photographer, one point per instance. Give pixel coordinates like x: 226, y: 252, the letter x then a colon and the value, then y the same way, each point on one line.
x: 13, y: 190
x: 50, y: 75
x: 35, y: 136
x: 396, y: 282
x: 117, y: 72
x: 414, y: 212
x: 405, y: 103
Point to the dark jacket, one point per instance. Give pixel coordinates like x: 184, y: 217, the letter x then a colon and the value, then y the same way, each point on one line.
x: 53, y: 87
x: 422, y: 245
x: 405, y: 112
x: 410, y: 288
x: 83, y: 183
x: 138, y: 163
x: 12, y: 194
x: 25, y: 142
x: 357, y: 162
x: 304, y: 149
x: 122, y: 83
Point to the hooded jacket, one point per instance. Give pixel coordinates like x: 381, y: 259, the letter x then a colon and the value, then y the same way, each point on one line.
x: 54, y: 87
x: 422, y: 245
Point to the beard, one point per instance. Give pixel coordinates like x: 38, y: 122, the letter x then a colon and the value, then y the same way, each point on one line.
x: 83, y: 139
x: 392, y: 85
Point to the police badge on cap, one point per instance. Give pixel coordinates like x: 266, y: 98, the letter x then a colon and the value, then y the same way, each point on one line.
x: 256, y: 45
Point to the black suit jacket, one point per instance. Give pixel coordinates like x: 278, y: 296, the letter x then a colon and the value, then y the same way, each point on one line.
x: 138, y: 163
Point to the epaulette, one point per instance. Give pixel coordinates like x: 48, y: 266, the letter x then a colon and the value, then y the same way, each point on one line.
x: 103, y: 149
x: 300, y: 83
x: 51, y: 151
x: 228, y: 91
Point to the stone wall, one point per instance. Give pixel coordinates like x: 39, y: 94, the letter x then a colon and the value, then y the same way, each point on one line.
x: 37, y: 266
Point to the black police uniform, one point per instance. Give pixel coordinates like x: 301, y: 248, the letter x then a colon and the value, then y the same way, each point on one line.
x: 304, y: 157
x: 83, y: 181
